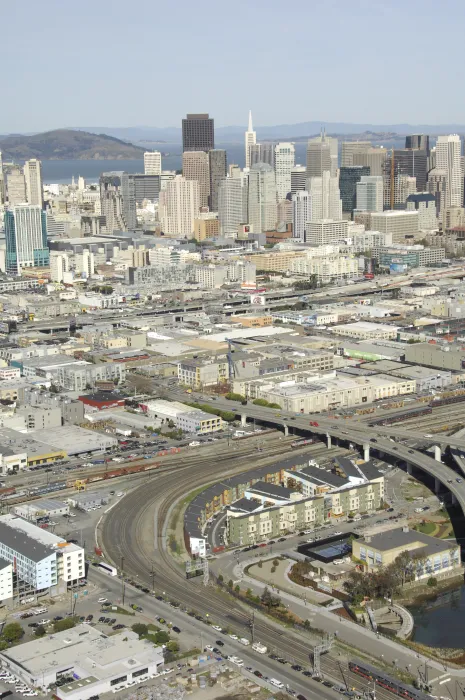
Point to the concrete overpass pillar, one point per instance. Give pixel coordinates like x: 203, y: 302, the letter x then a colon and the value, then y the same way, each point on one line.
x: 328, y: 441
x: 286, y: 430
x: 437, y: 485
x: 243, y: 420
x: 366, y: 452
x: 437, y: 453
x: 409, y: 469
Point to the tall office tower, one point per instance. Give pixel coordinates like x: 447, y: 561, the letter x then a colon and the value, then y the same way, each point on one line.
x: 152, y: 163
x: 417, y: 142
x: 195, y: 166
x: 298, y: 178
x: 118, y: 201
x: 437, y: 186
x: 409, y: 162
x: 2, y: 181
x: 284, y: 161
x: 333, y: 150
x: 370, y: 193
x: 262, y: 198
x: 250, y: 140
x: 301, y: 214
x: 26, y: 238
x: 85, y: 263
x: 33, y: 179
x: 448, y: 152
x: 146, y: 187
x: 403, y: 183
x: 59, y: 264
x: 432, y: 159
x: 165, y: 177
x: 318, y: 158
x: 262, y: 153
x: 425, y: 204
x: 351, y: 147
x: 232, y: 205
x: 217, y: 167
x: 179, y: 206
x: 234, y: 170
x: 16, y: 187
x: 348, y: 178
x: 326, y: 197
x: 373, y: 157
x: 198, y: 133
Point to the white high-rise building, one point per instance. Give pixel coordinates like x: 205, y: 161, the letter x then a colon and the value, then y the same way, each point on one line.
x: 301, y: 213
x: 448, y: 153
x: 179, y: 206
x: 26, y: 238
x: 196, y: 166
x: 232, y: 205
x: 59, y: 264
x: 370, y: 193
x: 152, y: 163
x: 284, y: 161
x: 33, y: 180
x: 85, y: 263
x: 16, y: 187
x: 326, y: 197
x: 250, y: 140
x: 262, y: 199
x: 326, y: 231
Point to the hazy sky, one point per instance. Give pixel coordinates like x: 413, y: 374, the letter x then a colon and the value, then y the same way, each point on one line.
x: 147, y: 62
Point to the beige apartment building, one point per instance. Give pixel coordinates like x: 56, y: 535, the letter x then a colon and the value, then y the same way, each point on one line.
x: 275, y: 262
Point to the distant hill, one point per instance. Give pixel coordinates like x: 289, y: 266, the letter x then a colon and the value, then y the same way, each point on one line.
x: 67, y: 144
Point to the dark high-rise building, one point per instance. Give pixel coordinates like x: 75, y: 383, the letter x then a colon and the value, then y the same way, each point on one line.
x: 348, y: 178
x: 218, y: 165
x: 417, y: 142
x: 414, y: 163
x: 262, y: 153
x: 146, y: 187
x: 198, y: 133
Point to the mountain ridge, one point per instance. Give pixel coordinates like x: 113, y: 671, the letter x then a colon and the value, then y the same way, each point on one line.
x: 67, y: 144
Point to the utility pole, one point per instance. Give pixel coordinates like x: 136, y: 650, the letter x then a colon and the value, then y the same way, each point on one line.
x: 122, y: 579
x: 152, y: 574
x: 252, y: 626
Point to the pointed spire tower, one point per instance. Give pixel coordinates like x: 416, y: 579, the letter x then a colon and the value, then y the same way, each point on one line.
x: 250, y: 140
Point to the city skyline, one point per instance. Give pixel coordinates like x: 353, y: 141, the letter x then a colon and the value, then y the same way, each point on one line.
x: 363, y: 33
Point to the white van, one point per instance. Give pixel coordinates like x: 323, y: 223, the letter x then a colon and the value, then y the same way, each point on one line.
x: 261, y: 648
x: 276, y: 683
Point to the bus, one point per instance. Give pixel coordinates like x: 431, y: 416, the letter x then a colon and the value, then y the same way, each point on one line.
x: 110, y: 570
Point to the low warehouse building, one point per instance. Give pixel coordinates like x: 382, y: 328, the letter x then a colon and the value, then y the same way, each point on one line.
x: 94, y: 663
x: 41, y: 510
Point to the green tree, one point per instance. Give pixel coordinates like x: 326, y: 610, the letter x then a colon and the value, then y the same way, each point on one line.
x: 173, y: 647
x: 162, y: 637
x: 12, y: 632
x: 62, y: 625
x: 260, y: 402
x: 237, y: 589
x: 232, y: 396
x: 140, y: 629
x: 432, y: 582
x: 40, y: 631
x: 221, y: 578
x: 230, y: 583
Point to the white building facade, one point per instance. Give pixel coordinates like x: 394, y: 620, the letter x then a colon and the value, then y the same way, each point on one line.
x: 284, y: 161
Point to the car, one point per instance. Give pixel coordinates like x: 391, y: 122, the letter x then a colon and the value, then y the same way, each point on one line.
x: 217, y: 628
x: 327, y: 683
x: 44, y: 622
x: 112, y: 621
x: 90, y: 618
x: 102, y: 600
x: 301, y: 534
x: 281, y: 660
x: 176, y: 629
x: 390, y: 510
x: 57, y: 617
x: 217, y: 651
x: 209, y: 647
x: 296, y: 667
x: 301, y: 697
x: 33, y: 624
x: 219, y: 642
x: 234, y: 636
x: 373, y: 440
x: 118, y: 627
x: 258, y: 674
x: 307, y: 673
x: 412, y: 452
x: 458, y: 480
x: 272, y: 542
x: 450, y: 481
x: 338, y: 533
x: 282, y: 539
x: 101, y: 619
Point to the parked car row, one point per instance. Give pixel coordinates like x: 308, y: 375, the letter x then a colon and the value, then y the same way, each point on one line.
x: 20, y: 687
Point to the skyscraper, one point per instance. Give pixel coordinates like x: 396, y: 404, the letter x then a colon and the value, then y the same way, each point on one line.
x: 179, y: 206
x: 262, y: 153
x: 198, y: 133
x: 118, y: 201
x: 16, y: 187
x: 425, y: 204
x: 369, y: 195
x: 332, y: 143
x: 218, y: 167
x: 448, y: 152
x: 284, y: 160
x: 232, y: 204
x: 408, y: 161
x: 250, y: 140
x: 373, y: 157
x: 152, y: 163
x: 348, y: 178
x: 318, y: 158
x: 33, y: 180
x: 351, y: 147
x: 146, y: 187
x: 195, y: 166
x: 326, y: 198
x: 298, y: 178
x: 262, y: 200
x: 26, y: 238
x: 417, y: 142
x: 437, y: 186
x: 301, y: 214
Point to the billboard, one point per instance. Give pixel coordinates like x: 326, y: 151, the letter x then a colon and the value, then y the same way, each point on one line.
x: 257, y: 300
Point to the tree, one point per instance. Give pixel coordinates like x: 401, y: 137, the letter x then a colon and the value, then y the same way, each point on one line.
x: 432, y: 582
x: 237, y: 589
x: 140, y: 629
x: 12, y: 632
x: 230, y: 583
x: 40, y: 631
x: 268, y: 600
x: 162, y: 637
x: 62, y: 625
x: 173, y: 647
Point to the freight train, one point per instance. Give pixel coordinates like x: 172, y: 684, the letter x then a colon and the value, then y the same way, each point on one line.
x: 383, y: 680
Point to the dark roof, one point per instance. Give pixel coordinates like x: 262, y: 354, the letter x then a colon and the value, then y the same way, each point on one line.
x: 102, y: 396
x: 247, y: 505
x: 391, y: 539
x: 23, y: 544
x: 421, y: 197
x: 266, y: 489
x: 4, y: 563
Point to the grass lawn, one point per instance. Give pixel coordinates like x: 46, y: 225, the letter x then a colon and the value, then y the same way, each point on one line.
x: 116, y: 609
x: 427, y: 528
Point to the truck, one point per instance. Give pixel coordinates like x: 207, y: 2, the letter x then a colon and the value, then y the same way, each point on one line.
x: 123, y: 431
x: 261, y: 648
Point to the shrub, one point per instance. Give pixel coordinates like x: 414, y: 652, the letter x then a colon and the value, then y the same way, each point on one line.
x: 162, y: 637
x: 140, y: 629
x: 432, y: 582
x: 173, y: 647
x: 62, y: 625
x: 40, y: 631
x: 12, y: 632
